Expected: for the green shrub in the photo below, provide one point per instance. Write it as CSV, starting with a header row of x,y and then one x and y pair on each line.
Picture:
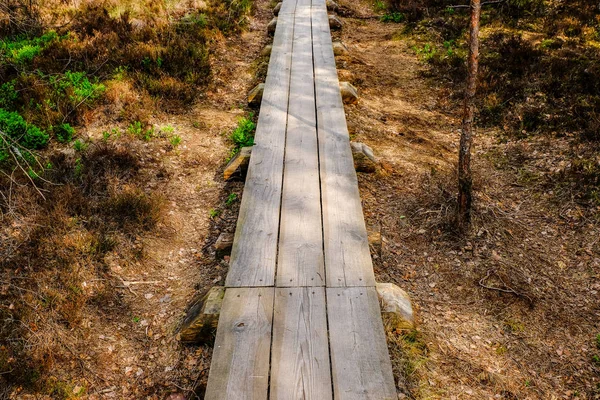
x,y
396,17
243,135
17,130
8,95
22,50
77,87
64,133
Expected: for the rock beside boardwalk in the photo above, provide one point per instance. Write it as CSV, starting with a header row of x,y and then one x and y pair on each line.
x,y
255,95
364,159
339,49
238,165
349,93
223,245
272,26
396,307
335,24
201,321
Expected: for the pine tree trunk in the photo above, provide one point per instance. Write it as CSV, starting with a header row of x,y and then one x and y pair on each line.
x,y
465,180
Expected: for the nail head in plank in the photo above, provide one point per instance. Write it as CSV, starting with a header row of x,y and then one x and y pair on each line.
x,y
240,362
360,362
300,353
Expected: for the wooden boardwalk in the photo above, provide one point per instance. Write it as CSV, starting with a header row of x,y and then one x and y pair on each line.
x,y
300,317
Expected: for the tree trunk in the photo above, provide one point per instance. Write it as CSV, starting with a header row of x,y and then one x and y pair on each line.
x,y
465,180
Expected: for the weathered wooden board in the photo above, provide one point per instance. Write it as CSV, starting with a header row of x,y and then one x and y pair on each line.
x,y
254,251
347,256
240,362
300,352
288,6
300,237
360,362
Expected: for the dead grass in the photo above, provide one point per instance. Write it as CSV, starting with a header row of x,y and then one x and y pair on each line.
x,y
508,311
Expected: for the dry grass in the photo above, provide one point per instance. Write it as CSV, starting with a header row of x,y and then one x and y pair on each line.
x,y
508,311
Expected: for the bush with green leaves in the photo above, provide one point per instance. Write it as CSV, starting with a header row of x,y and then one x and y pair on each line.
x,y
21,50
76,87
18,133
64,133
243,135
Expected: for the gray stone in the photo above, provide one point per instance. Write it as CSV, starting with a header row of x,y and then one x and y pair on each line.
x,y
272,26
335,24
349,93
339,49
277,9
223,245
201,321
364,159
332,6
238,165
266,52
255,95
396,307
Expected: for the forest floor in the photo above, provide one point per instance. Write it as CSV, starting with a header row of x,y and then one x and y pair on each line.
x,y
511,311
125,347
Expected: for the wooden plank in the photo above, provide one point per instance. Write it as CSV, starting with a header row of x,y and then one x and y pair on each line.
x,y
360,362
300,237
240,362
288,6
347,256
300,353
254,251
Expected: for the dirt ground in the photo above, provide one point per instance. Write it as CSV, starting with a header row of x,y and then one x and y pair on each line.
x,y
512,311
127,348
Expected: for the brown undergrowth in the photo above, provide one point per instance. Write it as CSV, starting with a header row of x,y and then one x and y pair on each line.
x,y
510,310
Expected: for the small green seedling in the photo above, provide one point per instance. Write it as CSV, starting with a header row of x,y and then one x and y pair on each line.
x,y
232,198
175,140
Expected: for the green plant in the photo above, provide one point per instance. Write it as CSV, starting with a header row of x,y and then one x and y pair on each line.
x,y
596,359
427,52
214,213
64,133
243,135
396,17
135,129
598,341
175,140
76,87
15,131
169,130
8,94
232,198
80,145
22,50
78,170
379,5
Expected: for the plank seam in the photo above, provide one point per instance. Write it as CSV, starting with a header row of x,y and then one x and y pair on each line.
x,y
312,38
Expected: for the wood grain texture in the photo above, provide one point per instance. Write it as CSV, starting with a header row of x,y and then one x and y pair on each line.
x,y
254,251
288,6
347,256
240,362
300,238
300,352
360,362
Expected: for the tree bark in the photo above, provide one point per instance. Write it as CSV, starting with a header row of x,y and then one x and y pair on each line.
x,y
465,180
